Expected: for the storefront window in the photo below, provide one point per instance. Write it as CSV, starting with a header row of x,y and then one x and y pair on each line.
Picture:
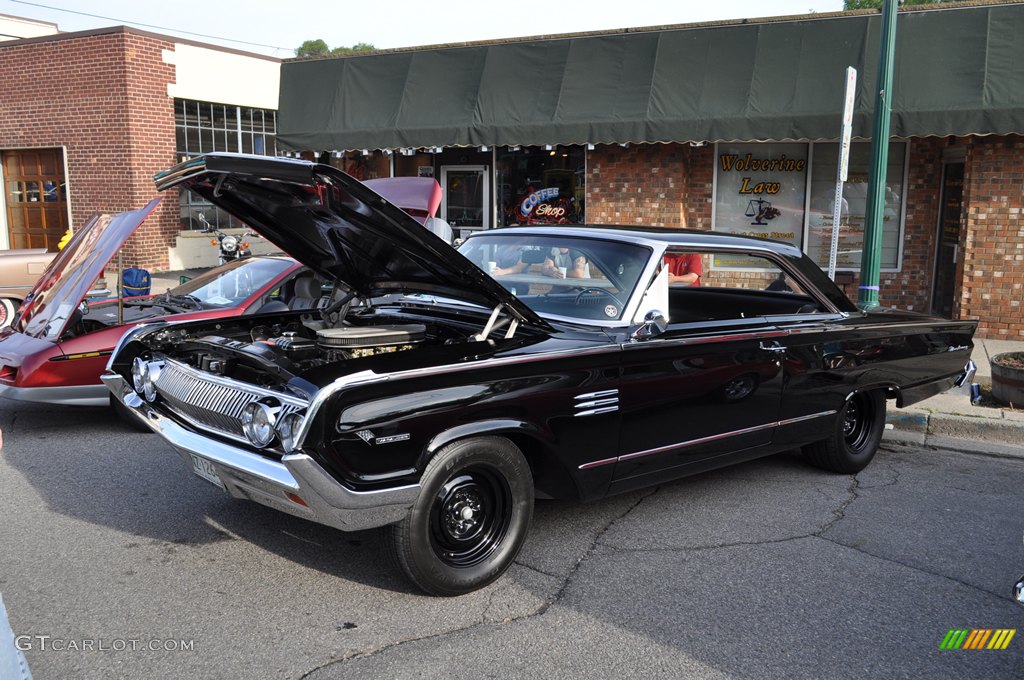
x,y
785,192
202,127
760,191
853,206
537,185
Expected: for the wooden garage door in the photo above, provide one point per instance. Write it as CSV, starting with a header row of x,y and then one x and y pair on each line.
x,y
37,214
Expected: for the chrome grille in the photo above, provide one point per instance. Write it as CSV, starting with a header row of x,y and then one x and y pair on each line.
x,y
214,402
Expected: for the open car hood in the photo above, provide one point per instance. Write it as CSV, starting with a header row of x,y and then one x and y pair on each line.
x,y
72,273
336,226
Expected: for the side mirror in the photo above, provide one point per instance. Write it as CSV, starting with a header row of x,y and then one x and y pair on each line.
x,y
654,325
1018,591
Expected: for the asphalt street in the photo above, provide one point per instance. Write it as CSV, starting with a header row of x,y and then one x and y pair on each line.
x,y
116,561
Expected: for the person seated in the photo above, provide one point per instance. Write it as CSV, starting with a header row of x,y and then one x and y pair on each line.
x,y
684,269
572,261
509,260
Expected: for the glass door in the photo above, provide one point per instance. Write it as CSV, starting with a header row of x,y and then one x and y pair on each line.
x,y
950,208
466,204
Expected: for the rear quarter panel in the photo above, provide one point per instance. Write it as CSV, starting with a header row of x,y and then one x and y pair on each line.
x,y
827,361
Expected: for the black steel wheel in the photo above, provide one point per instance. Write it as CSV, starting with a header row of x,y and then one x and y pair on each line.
x,y
470,519
858,431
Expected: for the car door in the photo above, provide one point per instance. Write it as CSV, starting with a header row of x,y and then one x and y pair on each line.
x,y
697,391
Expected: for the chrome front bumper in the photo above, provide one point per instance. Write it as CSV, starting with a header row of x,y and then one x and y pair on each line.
x,y
278,485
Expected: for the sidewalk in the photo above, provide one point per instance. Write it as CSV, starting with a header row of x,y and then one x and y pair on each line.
x,y
950,420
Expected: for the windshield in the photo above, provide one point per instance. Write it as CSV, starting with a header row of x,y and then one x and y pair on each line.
x,y
575,278
233,283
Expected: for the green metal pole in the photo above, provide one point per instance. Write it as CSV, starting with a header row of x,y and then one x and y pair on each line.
x,y
871,257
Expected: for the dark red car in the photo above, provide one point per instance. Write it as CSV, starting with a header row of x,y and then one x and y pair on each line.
x,y
58,345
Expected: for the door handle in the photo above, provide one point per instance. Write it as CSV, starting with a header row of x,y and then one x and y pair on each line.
x,y
772,346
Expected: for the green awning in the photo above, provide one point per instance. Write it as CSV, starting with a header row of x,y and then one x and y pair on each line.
x,y
959,71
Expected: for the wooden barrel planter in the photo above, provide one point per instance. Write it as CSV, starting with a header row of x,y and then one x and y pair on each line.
x,y
1008,378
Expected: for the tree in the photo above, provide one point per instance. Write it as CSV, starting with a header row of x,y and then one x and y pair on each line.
x,y
312,48
318,48
877,4
355,49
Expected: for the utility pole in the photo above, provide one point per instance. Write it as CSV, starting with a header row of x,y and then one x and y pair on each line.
x,y
871,257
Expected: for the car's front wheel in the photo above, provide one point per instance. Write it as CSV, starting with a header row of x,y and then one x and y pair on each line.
x,y
858,431
470,519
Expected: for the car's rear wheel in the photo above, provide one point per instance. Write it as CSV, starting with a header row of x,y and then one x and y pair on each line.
x,y
858,431
7,309
470,519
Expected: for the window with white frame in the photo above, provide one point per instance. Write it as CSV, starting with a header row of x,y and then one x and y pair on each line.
x,y
203,127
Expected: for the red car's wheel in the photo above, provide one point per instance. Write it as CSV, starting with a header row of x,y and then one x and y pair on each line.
x,y
7,310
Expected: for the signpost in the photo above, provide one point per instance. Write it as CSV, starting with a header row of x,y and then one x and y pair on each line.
x,y
870,263
844,163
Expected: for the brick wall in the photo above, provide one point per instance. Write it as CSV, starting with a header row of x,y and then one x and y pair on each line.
x,y
638,184
104,98
672,184
993,237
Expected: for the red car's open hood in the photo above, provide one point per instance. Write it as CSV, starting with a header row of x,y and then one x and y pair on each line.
x,y
70,276
335,225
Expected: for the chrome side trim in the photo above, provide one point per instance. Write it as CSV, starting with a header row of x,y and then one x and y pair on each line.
x,y
598,402
704,440
695,442
720,337
596,411
607,403
800,419
598,463
597,395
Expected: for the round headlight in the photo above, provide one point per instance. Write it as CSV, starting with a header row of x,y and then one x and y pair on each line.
x,y
140,371
229,244
288,430
258,423
149,379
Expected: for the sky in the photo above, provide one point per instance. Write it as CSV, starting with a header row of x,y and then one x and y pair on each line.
x,y
276,27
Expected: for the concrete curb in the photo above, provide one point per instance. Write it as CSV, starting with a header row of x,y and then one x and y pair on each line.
x,y
997,433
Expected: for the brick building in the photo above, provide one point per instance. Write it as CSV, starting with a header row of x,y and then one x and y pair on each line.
x,y
87,119
729,126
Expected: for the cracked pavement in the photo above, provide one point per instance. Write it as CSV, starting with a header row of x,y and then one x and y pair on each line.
x,y
767,569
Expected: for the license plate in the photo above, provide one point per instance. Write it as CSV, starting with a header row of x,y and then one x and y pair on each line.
x,y
205,469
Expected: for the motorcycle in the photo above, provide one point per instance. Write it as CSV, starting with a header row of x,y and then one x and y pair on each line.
x,y
231,247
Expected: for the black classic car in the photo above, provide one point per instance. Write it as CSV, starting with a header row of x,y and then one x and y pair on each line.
x,y
439,392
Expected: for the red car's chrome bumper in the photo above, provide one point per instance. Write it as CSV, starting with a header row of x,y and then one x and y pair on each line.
x,y
296,484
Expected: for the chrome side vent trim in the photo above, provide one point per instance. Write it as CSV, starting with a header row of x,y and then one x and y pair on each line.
x,y
596,403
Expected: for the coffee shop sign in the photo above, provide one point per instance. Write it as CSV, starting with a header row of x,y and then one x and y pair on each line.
x,y
537,197
733,162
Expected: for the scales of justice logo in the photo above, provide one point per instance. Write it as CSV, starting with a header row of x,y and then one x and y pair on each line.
x,y
762,211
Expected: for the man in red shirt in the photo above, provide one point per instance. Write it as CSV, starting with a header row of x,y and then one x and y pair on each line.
x,y
683,268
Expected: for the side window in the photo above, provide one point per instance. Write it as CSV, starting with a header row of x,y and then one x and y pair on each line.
x,y
718,286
